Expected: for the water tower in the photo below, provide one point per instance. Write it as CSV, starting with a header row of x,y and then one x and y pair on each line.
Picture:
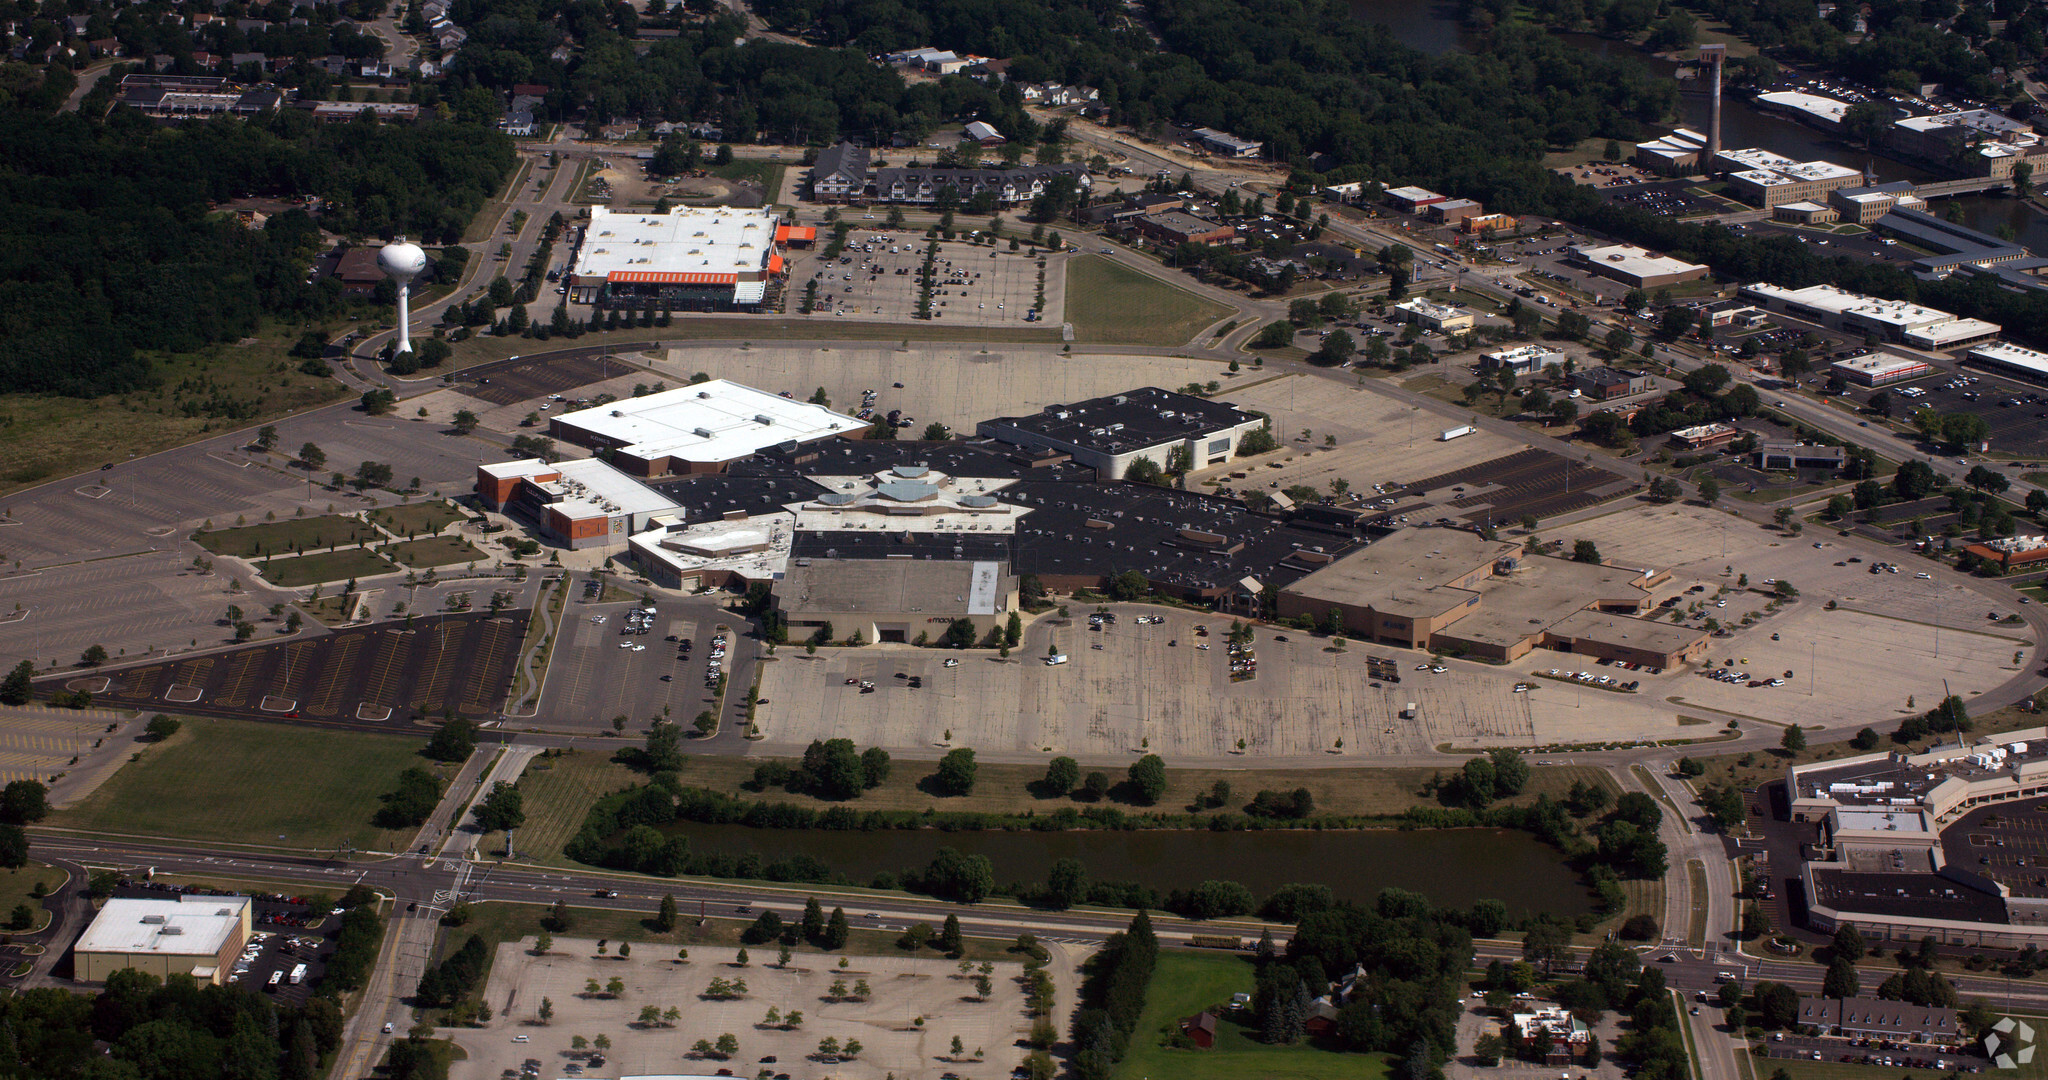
x,y
403,261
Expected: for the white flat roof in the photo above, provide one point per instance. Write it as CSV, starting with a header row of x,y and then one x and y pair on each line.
x,y
1903,314
1879,364
1755,157
755,547
711,421
2001,352
1636,261
1431,308
1825,107
187,926
1803,206
1944,335
506,470
1523,352
1413,194
716,240
1761,177
591,480
1977,119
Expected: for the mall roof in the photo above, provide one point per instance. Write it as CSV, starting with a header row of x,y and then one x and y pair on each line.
x,y
691,242
1406,573
891,585
593,481
710,421
1121,423
187,926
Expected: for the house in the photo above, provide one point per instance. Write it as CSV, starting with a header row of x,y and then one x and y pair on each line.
x,y
623,130
518,124
1560,1036
978,131
1200,1029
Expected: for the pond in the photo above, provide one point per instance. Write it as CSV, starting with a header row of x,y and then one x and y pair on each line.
x,y
1453,867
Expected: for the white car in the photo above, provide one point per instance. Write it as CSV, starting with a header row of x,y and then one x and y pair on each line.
x,y
952,662
1924,577
639,648
625,644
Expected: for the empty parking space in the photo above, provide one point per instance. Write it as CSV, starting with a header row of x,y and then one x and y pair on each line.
x,y
511,381
461,663
972,284
608,665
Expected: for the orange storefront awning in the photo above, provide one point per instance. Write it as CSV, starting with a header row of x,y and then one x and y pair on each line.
x,y
802,234
775,264
657,277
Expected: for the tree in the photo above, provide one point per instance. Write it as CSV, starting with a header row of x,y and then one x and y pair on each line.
x,y
1913,480
1841,981
378,402
727,1045
1148,776
547,1009
1096,784
452,741
1585,552
955,775
1066,884
665,917
465,421
542,943
1061,774
503,808
24,802
1336,350
19,685
836,930
813,925
663,749
1274,335
1794,739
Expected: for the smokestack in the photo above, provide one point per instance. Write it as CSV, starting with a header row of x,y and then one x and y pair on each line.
x,y
1711,57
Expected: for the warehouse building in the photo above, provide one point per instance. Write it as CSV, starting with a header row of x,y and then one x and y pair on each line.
x,y
198,936
699,428
1891,320
1224,144
1880,369
1604,383
1635,267
718,258
1822,112
579,503
1676,154
1175,227
1766,179
1109,434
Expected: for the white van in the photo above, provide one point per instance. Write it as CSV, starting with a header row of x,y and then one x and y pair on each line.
x,y
298,974
1055,659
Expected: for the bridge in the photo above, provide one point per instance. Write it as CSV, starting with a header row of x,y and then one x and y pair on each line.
x,y
1969,186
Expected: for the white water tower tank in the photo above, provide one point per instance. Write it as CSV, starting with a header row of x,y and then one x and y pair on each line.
x,y
402,261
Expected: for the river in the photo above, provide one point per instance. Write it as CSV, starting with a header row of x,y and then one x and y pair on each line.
x,y
1453,867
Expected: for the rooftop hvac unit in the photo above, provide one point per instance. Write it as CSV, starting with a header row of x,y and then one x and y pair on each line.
x,y
172,931
702,433
764,420
152,920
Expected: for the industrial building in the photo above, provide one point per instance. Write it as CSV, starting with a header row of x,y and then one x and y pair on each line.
x,y
2009,359
1676,154
1523,360
699,428
1636,267
1890,320
1766,179
1431,315
1891,849
1108,434
1825,113
199,936
1950,245
1453,590
1976,142
718,258
1863,205
1880,369
579,503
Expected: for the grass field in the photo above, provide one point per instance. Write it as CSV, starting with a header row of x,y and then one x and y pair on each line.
x,y
1112,303
1188,982
326,566
280,537
329,610
768,174
260,784
558,795
18,887
416,519
46,436
433,551
502,922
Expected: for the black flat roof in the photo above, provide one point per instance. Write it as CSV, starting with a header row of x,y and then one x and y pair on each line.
x,y
1120,423
1906,895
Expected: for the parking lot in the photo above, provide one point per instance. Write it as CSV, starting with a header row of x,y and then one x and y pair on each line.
x,y
382,675
2016,413
609,663
877,276
1666,197
2007,843
288,935
1891,636
509,382
905,1026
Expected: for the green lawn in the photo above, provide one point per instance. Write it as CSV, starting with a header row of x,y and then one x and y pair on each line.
x,y
416,519
768,174
1111,303
326,566
280,537
434,551
329,610
1188,982
242,781
18,887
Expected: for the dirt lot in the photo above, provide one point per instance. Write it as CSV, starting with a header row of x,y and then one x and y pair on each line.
x,y
904,990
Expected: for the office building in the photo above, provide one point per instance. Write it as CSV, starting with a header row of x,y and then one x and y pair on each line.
x,y
1635,267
